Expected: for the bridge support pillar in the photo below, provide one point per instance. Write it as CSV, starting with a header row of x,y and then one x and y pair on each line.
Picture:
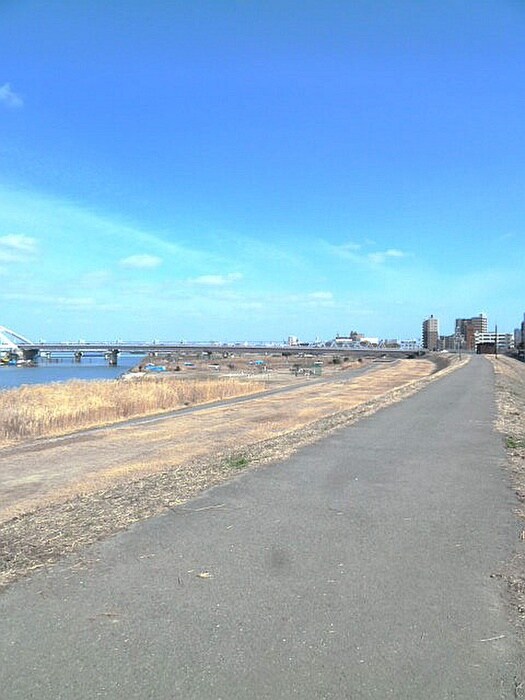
x,y
30,355
113,358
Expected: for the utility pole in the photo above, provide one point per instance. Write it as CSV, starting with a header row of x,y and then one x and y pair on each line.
x,y
458,339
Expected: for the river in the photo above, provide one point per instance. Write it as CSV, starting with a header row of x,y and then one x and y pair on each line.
x,y
64,368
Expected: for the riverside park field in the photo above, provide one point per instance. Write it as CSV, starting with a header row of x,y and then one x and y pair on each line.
x,y
82,460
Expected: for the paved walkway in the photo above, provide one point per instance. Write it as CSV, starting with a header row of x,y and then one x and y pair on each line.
x,y
360,568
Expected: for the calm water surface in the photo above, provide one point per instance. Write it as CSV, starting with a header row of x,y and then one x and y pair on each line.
x,y
63,369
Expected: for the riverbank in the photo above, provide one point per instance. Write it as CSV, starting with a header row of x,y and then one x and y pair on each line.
x,y
179,458
153,386
64,369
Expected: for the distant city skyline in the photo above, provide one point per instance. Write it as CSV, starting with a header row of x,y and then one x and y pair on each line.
x,y
471,333
255,170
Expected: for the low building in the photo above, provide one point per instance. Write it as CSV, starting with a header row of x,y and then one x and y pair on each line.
x,y
351,341
486,348
500,341
411,344
449,342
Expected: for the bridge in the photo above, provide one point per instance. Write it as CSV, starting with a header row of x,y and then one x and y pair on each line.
x,y
12,344
16,346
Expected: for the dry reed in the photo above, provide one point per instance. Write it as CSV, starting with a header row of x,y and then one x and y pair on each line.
x,y
55,409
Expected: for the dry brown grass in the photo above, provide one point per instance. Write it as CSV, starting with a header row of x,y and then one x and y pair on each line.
x,y
510,401
56,409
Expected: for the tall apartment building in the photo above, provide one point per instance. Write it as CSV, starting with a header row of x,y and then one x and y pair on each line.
x,y
431,333
519,339
468,327
521,343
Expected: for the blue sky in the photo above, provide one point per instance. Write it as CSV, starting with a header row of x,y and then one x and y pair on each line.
x,y
253,169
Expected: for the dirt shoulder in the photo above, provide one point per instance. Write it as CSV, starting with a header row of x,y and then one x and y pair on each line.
x,y
510,401
62,496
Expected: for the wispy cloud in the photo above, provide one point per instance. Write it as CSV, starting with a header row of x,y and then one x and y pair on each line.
x,y
98,278
69,304
359,254
321,296
381,257
144,261
25,244
17,248
349,247
59,220
10,98
55,300
217,280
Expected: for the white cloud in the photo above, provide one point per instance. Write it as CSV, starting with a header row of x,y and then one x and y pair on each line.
x,y
348,251
251,305
10,98
350,247
321,296
17,248
381,257
99,278
141,261
26,244
217,280
74,302
356,253
56,220
59,301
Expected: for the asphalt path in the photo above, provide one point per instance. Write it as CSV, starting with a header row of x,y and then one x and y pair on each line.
x,y
359,568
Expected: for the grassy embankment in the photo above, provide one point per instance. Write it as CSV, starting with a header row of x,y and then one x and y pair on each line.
x,y
510,399
57,409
